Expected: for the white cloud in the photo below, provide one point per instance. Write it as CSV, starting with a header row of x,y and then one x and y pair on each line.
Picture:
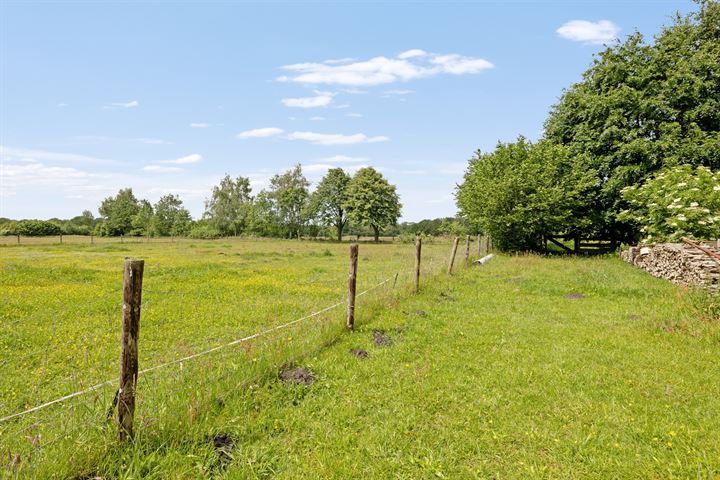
x,y
62,104
322,99
260,133
335,138
599,32
200,125
339,60
354,115
161,169
343,159
415,52
131,104
24,153
410,65
354,91
398,92
317,119
193,158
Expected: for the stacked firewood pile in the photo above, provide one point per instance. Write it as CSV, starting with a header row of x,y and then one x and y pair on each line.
x,y
680,263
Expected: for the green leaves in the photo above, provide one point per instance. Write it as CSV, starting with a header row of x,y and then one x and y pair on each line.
x,y
523,192
372,201
228,207
645,106
677,202
327,202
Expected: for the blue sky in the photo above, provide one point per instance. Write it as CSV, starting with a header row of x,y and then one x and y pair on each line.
x,y
168,97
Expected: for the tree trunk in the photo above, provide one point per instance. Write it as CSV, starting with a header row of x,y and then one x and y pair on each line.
x,y
377,233
339,233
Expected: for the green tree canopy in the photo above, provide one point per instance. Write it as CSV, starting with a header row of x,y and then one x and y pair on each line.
x,y
289,196
327,202
118,212
372,201
642,107
229,205
522,192
171,218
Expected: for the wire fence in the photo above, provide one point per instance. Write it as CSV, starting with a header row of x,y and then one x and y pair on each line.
x,y
59,384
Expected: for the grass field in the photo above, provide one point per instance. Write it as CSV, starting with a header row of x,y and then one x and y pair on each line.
x,y
527,367
60,307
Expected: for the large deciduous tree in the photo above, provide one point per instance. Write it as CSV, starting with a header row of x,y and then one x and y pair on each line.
x,y
289,196
522,192
229,205
327,203
372,201
171,218
641,107
119,211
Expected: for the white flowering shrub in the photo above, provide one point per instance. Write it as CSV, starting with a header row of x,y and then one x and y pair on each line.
x,y
678,202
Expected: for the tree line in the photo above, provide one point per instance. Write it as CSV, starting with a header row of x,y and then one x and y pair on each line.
x,y
631,152
363,202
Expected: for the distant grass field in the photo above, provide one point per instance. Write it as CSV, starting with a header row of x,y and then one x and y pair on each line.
x,y
526,367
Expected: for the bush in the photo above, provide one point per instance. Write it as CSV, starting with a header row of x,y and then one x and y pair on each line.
x,y
678,202
37,228
204,232
523,192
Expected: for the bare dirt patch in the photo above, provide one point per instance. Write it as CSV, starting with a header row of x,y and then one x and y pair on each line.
x,y
223,444
359,353
574,296
297,376
381,340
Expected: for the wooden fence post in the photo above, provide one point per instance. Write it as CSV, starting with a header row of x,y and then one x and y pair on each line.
x,y
18,237
132,298
479,238
452,255
352,283
467,248
418,254
61,239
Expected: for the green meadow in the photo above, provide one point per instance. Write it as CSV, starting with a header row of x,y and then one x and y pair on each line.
x,y
526,367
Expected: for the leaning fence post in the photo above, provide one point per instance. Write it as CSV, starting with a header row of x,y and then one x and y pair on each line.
x,y
467,248
132,298
352,282
452,254
418,252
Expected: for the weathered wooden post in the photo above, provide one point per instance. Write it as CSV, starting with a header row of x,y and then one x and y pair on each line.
x,y
61,239
132,298
418,254
479,247
18,238
452,255
467,249
352,283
